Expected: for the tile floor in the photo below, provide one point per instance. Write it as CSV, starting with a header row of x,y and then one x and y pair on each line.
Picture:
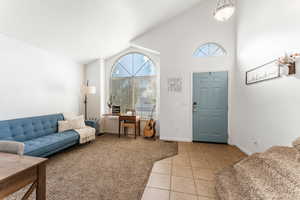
x,y
190,175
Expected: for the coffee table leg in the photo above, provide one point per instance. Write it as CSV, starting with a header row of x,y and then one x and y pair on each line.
x,y
41,182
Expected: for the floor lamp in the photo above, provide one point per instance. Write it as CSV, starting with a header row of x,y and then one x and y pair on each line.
x,y
88,90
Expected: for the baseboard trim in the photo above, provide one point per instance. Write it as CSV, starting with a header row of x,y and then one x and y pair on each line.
x,y
243,149
177,139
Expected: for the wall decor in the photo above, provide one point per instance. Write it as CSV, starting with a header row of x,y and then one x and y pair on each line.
x,y
285,65
268,71
289,61
175,84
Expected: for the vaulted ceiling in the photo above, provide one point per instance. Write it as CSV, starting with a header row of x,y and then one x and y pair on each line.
x,y
85,29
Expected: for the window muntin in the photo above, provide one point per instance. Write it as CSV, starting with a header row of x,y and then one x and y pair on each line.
x,y
210,50
133,84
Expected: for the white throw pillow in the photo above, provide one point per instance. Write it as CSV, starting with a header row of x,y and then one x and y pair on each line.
x,y
78,122
64,126
12,147
75,123
69,116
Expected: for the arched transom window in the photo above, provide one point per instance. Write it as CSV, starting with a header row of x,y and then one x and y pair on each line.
x,y
209,50
133,84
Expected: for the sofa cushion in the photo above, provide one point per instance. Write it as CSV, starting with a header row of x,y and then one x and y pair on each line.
x,y
78,122
64,126
5,133
31,128
73,124
44,144
13,147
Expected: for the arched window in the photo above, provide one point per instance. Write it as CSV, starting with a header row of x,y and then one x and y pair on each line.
x,y
133,84
209,50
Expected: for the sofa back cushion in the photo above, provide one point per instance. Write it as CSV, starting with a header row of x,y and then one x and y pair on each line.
x,y
5,133
29,128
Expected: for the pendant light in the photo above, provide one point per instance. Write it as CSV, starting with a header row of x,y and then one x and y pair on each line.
x,y
225,9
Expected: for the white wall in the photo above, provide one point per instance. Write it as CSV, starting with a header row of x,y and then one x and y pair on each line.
x,y
34,82
176,41
266,113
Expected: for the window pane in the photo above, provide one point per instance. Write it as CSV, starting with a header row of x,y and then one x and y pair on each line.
x,y
205,49
127,62
121,91
219,52
213,49
147,70
119,71
145,96
210,49
199,53
138,61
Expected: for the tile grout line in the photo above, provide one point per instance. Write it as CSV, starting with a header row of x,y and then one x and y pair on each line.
x,y
171,178
158,188
195,186
191,167
198,194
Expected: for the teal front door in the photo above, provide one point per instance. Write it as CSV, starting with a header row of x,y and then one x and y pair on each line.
x,y
210,107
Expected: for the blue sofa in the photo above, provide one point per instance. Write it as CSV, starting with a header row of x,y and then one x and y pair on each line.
x,y
39,134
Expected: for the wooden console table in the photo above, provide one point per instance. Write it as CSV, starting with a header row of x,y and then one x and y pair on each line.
x,y
18,171
130,121
119,120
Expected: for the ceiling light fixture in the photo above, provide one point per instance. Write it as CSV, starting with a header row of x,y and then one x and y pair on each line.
x,y
225,9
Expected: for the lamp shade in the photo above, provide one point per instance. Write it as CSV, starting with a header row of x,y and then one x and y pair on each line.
x,y
90,90
224,11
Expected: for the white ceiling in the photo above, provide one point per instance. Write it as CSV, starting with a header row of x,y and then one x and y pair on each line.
x,y
85,29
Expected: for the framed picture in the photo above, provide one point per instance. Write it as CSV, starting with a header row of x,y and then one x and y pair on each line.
x,y
175,84
265,72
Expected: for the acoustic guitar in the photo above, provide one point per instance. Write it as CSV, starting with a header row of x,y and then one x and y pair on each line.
x,y
149,130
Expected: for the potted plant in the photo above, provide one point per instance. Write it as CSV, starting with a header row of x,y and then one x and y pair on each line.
x,y
290,62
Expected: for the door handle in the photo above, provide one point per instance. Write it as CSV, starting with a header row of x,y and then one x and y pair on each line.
x,y
195,107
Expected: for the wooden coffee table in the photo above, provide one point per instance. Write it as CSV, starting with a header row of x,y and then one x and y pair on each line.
x,y
17,172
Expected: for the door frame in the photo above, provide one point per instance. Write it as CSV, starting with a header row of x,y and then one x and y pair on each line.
x,y
229,112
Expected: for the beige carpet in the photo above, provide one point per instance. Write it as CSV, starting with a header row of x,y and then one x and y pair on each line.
x,y
272,175
108,169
